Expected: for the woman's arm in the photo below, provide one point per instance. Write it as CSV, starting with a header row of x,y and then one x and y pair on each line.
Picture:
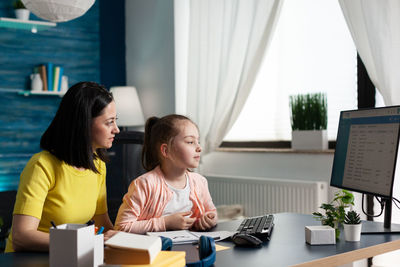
x,y
104,220
26,237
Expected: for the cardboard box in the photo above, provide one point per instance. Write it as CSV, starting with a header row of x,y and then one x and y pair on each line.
x,y
72,245
320,235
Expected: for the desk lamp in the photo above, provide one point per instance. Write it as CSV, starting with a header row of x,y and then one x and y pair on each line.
x,y
129,110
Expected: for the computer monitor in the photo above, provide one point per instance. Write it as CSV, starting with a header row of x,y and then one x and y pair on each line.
x,y
365,156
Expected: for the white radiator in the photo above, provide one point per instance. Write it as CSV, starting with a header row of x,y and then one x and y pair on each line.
x,y
265,195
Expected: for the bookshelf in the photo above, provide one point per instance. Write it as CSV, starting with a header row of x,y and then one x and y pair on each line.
x,y
50,93
32,25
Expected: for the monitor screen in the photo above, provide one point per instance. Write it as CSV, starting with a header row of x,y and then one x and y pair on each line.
x,y
366,150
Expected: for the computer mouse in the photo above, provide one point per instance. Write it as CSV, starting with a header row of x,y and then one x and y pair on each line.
x,y
246,240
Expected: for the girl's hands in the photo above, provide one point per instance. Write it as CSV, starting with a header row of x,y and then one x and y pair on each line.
x,y
179,221
206,221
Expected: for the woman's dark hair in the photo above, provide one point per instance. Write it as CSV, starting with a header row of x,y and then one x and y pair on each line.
x,y
159,131
69,135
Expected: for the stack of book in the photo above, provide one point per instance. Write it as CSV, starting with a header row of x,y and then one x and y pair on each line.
x,y
140,250
51,76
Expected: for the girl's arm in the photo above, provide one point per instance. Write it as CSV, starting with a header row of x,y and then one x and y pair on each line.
x,y
26,237
127,220
209,218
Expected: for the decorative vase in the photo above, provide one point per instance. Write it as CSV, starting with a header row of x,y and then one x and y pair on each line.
x,y
64,83
22,14
310,140
352,232
36,82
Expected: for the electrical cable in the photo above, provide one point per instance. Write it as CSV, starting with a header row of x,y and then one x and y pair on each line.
x,y
371,215
394,201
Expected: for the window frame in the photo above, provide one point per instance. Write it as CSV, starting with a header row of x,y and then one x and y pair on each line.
x,y
365,99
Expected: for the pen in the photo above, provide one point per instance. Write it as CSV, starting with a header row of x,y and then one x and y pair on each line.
x,y
100,230
90,222
53,224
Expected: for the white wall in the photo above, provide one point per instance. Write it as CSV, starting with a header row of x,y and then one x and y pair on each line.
x,y
150,54
295,166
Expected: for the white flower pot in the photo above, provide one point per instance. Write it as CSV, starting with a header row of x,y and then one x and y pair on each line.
x,y
22,14
352,232
310,140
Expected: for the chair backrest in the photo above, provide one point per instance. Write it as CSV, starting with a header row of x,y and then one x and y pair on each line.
x,y
7,201
124,166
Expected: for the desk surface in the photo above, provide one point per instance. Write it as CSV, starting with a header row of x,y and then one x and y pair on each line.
x,y
287,247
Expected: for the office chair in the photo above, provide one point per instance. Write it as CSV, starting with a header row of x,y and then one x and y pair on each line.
x,y
124,166
7,201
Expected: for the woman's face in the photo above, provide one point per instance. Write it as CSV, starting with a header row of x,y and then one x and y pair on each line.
x,y
104,127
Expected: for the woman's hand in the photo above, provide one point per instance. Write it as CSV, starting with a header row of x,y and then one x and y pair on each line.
x,y
109,234
206,221
179,221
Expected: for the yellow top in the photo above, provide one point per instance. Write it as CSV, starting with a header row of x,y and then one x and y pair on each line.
x,y
52,190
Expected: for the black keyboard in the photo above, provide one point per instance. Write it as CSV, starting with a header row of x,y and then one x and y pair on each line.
x,y
259,226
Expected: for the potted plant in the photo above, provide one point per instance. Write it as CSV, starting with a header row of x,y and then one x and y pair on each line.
x,y
335,211
352,226
309,121
20,10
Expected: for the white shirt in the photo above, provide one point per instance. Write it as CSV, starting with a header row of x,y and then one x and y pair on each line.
x,y
180,200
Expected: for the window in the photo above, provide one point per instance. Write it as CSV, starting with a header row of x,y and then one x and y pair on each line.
x,y
311,51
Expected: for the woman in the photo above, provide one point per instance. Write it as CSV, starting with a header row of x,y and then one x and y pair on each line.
x,y
65,183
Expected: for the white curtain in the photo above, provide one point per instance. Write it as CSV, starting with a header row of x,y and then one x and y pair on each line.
x,y
227,42
374,26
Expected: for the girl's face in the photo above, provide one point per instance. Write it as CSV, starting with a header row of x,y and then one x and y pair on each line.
x,y
185,148
104,127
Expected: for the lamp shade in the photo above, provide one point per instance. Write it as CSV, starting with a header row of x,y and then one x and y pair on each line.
x,y
58,10
129,110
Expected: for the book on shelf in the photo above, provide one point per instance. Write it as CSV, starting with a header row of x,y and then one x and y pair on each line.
x,y
43,76
60,74
49,71
56,77
128,248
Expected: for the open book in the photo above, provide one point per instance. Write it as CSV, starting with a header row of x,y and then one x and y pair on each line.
x,y
189,237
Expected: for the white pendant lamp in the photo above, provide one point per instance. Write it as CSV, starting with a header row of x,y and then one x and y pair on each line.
x,y
58,10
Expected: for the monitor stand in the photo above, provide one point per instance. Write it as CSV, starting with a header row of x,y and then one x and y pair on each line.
x,y
370,228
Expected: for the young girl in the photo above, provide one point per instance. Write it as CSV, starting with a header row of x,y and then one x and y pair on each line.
x,y
168,197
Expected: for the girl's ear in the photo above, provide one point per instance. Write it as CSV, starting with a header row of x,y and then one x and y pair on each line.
x,y
164,150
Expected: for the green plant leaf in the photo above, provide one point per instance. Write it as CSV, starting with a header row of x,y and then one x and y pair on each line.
x,y
309,111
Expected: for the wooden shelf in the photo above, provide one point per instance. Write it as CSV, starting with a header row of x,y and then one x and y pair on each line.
x,y
32,25
51,93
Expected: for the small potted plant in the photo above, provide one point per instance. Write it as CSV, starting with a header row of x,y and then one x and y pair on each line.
x,y
20,10
309,121
335,212
352,226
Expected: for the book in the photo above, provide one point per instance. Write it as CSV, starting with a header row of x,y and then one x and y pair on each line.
x,y
189,237
163,259
49,71
56,77
60,78
128,248
43,75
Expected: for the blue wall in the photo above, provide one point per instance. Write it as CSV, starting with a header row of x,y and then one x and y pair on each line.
x,y
75,46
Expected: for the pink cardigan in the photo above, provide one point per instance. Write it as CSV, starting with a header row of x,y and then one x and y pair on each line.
x,y
142,207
